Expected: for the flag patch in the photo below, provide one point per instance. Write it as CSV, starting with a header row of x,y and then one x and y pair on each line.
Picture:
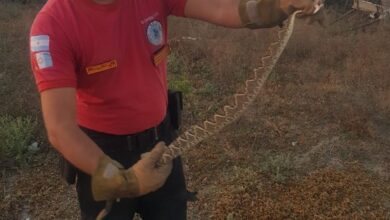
x,y
44,60
39,43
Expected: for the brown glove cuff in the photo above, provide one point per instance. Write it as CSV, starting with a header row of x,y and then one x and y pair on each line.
x,y
261,13
110,181
133,189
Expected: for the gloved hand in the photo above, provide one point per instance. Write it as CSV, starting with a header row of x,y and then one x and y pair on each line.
x,y
270,13
110,181
308,7
151,177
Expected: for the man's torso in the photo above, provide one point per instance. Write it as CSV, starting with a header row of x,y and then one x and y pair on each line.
x,y
119,88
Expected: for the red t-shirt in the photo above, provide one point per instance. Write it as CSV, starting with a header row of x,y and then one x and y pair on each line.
x,y
105,52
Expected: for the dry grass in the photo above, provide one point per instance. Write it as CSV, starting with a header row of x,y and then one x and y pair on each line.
x,y
18,94
17,91
314,145
325,106
215,63
348,194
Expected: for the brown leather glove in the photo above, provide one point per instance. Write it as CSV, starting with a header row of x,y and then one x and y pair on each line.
x,y
111,181
306,6
270,13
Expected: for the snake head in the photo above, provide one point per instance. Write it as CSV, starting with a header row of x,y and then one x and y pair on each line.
x,y
318,15
318,4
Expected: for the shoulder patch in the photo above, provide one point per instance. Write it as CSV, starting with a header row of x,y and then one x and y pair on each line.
x,y
44,60
39,43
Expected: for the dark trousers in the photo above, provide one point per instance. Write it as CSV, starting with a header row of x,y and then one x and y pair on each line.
x,y
169,202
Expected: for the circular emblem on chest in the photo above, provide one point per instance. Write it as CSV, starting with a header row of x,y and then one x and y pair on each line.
x,y
155,33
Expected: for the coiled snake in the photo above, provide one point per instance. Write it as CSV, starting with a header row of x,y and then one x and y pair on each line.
x,y
198,133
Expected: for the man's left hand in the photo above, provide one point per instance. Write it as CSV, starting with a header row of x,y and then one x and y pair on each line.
x,y
308,7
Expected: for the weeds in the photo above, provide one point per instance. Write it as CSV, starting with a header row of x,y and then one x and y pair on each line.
x,y
18,93
16,135
181,83
322,86
177,78
279,167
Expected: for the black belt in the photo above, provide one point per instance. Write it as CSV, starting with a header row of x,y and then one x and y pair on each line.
x,y
144,139
152,134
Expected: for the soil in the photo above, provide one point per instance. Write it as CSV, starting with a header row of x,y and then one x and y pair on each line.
x,y
315,145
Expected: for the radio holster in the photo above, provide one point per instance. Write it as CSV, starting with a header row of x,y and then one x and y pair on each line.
x,y
175,107
67,170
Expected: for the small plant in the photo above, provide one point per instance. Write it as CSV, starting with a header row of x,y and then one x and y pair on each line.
x,y
16,137
207,89
177,76
181,83
279,167
175,64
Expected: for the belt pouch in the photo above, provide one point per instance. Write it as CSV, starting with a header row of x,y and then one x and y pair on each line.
x,y
67,170
175,107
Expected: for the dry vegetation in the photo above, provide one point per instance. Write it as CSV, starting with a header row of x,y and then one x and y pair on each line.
x,y
314,145
19,107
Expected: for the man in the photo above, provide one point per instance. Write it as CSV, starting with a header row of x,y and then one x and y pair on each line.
x,y
100,66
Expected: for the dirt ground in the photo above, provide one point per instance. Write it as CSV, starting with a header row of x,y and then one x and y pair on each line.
x,y
315,145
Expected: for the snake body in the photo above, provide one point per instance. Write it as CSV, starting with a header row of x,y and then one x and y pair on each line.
x,y
230,113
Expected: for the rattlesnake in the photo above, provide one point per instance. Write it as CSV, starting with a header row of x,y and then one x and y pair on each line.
x,y
198,133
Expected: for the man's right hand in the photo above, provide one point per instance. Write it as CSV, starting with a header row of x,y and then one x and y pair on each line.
x,y
111,181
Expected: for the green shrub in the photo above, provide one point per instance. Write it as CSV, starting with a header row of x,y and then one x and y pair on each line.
x,y
181,83
175,64
208,89
279,167
177,77
16,136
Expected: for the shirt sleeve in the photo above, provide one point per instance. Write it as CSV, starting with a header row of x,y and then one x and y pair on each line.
x,y
176,7
51,56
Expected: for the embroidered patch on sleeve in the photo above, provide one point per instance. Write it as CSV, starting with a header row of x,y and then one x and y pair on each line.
x,y
44,60
39,43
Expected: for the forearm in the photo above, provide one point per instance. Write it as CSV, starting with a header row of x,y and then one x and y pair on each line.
x,y
220,12
247,13
76,147
59,114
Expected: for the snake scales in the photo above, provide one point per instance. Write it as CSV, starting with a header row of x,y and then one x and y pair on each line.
x,y
198,133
